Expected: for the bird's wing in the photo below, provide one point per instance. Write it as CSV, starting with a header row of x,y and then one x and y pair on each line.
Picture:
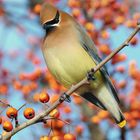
x,y
90,48
107,77
90,97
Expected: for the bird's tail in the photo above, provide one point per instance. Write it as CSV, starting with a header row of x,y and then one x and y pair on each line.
x,y
107,99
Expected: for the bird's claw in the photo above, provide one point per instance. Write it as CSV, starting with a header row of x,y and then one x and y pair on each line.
x,y
65,97
90,76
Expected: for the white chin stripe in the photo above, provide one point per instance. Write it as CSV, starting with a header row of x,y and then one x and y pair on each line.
x,y
57,24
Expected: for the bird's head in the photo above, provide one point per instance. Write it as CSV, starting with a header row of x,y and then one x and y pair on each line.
x,y
49,16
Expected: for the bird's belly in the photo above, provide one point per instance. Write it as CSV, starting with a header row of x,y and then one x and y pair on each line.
x,y
71,65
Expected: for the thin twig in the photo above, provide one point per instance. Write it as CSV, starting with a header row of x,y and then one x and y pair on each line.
x,y
4,103
72,89
53,118
22,106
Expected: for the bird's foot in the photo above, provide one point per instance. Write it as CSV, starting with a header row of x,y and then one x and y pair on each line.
x,y
90,75
65,97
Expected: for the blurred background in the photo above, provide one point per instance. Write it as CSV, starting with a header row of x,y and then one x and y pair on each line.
x,y
23,72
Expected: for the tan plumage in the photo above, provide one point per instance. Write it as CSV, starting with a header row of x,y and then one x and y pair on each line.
x,y
70,54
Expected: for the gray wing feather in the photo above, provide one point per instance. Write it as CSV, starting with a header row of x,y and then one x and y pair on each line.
x,y
90,97
90,48
105,74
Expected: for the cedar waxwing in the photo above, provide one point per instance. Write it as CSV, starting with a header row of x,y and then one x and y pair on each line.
x,y
70,54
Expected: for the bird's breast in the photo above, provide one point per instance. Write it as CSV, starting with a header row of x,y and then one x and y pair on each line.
x,y
70,64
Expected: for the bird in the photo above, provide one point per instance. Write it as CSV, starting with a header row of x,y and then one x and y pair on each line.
x,y
70,54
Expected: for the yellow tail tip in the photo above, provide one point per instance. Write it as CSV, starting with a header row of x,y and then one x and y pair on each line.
x,y
122,124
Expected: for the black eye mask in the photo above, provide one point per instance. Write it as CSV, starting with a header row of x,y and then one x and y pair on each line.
x,y
52,22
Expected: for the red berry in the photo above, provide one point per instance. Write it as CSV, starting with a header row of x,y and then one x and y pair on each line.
x,y
7,126
0,120
54,113
44,97
29,113
12,112
69,136
56,138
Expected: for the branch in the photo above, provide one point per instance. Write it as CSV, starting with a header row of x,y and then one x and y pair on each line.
x,y
88,17
72,89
